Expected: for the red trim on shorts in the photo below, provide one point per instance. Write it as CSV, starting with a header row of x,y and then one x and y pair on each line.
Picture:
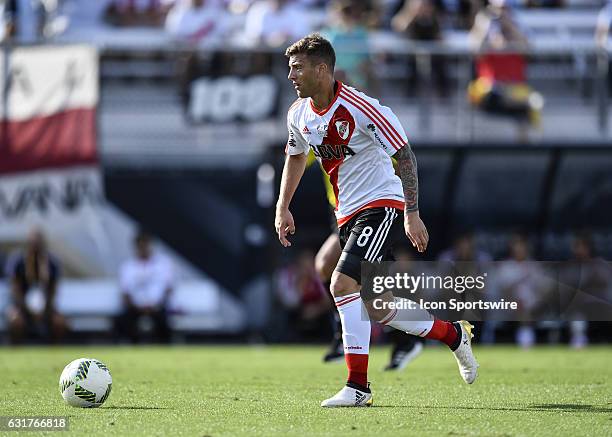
x,y
381,203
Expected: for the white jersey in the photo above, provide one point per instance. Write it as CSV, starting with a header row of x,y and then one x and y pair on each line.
x,y
146,281
353,139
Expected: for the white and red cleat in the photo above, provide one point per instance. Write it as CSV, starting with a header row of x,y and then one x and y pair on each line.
x,y
468,366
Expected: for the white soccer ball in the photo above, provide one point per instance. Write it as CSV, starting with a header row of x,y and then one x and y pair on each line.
x,y
85,382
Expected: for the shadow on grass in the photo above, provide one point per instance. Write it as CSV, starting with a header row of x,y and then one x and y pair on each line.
x,y
121,407
571,408
566,408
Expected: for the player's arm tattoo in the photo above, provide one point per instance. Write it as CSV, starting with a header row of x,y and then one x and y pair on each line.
x,y
406,161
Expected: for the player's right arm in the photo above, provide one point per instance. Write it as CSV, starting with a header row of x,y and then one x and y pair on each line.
x,y
295,164
292,174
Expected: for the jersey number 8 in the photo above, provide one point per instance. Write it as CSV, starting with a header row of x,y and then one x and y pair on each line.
x,y
364,236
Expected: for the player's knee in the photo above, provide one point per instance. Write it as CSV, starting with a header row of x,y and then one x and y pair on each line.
x,y
324,266
341,284
327,258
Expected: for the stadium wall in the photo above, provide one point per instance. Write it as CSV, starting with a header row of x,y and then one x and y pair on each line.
x,y
212,216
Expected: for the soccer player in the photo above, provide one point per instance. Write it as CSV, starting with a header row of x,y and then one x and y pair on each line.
x,y
353,136
405,347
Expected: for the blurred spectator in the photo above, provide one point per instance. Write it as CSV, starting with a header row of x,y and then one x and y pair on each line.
x,y
131,13
465,259
34,276
464,250
419,20
51,21
589,282
27,21
602,29
276,23
522,280
466,12
500,86
602,35
8,15
348,34
195,21
146,281
304,299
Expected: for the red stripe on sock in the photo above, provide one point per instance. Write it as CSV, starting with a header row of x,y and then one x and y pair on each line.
x,y
347,299
443,331
357,368
344,302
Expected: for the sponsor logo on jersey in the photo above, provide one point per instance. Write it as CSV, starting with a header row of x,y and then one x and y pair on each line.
x,y
305,130
322,129
330,151
380,141
342,127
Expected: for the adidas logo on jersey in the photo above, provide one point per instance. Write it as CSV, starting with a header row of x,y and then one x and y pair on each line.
x,y
330,151
305,130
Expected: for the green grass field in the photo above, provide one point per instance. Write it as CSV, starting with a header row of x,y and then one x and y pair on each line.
x,y
214,391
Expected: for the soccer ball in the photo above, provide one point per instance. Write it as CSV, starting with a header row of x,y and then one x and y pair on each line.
x,y
85,382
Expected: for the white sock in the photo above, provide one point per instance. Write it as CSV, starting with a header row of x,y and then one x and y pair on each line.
x,y
355,324
412,321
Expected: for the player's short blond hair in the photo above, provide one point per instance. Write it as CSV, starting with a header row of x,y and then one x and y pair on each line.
x,y
316,47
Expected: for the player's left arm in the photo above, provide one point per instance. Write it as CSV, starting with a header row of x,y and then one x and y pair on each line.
x,y
413,225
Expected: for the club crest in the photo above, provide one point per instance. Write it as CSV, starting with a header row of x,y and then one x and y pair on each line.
x,y
343,129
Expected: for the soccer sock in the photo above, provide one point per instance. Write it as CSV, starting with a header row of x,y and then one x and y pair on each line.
x,y
421,323
447,332
356,337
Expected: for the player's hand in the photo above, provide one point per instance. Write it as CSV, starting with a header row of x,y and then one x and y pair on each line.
x,y
284,225
416,231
